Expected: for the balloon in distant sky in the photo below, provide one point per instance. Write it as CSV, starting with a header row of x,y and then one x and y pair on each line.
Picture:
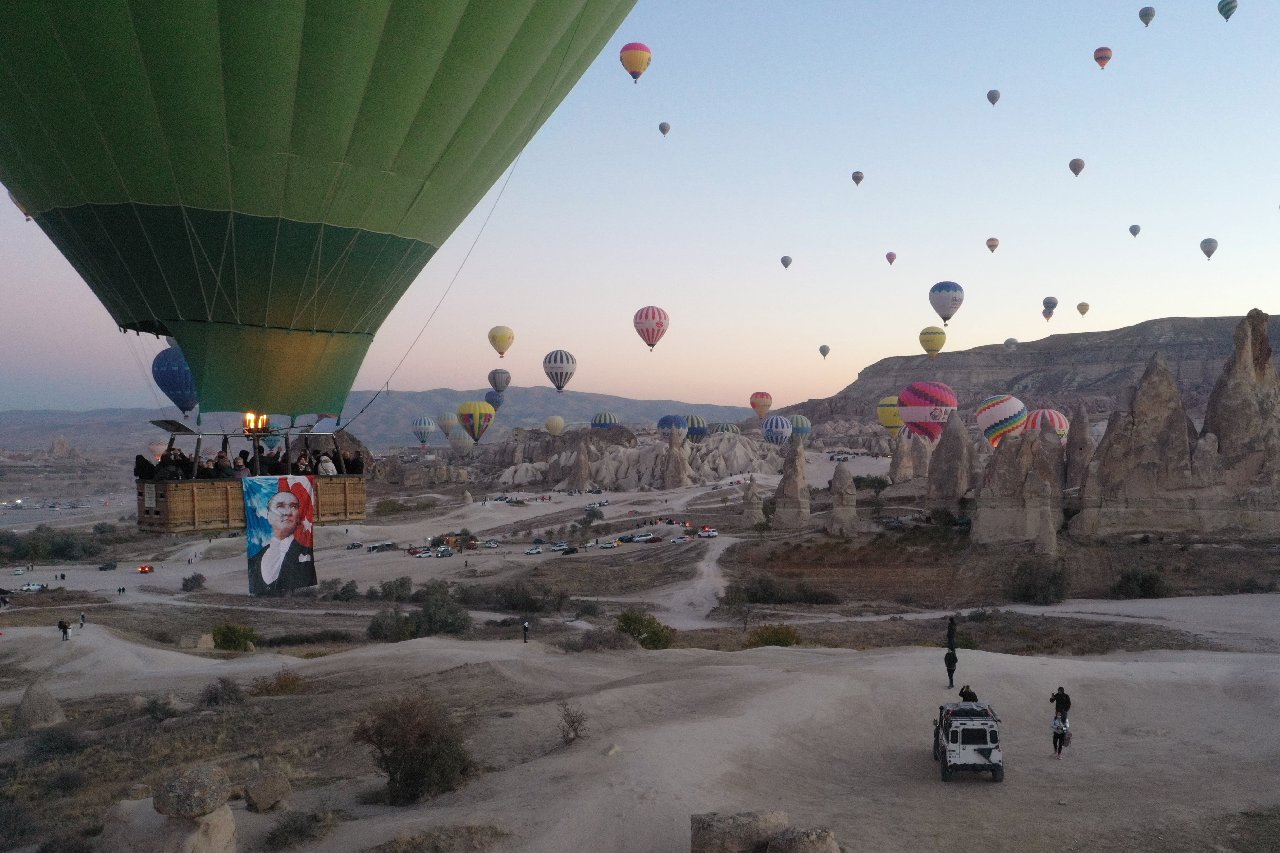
x,y
776,429
993,243
697,428
554,425
446,421
1076,166
1050,302
499,379
1135,230
651,324
604,420
474,416
172,373
824,350
1011,344
559,366
800,428
932,339
495,399
501,338
672,426
459,440
857,179
760,403
1146,14
1047,314
946,298
993,96
664,128
635,57
1102,56
1000,417
887,414
786,262
925,407
1036,418
1226,8
1083,308
1209,246
891,257
422,429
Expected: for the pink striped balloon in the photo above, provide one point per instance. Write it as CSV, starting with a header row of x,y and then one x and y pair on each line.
x,y
651,324
1055,419
924,408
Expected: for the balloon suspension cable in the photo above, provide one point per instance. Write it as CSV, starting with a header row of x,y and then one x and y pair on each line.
x,y
386,386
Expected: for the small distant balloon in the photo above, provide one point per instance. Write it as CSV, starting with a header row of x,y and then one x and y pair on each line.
x,y
1083,308
554,425
1050,302
1226,8
1011,344
1076,166
891,257
651,323
501,338
1146,14
993,243
664,128
946,298
499,379
857,179
993,96
760,402
495,399
559,366
824,350
1102,56
932,340
1047,314
786,262
635,57
1209,246
1135,230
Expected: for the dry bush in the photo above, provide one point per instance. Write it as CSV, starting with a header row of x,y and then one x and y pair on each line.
x,y
445,839
55,743
286,682
598,640
773,635
417,745
294,828
224,691
573,721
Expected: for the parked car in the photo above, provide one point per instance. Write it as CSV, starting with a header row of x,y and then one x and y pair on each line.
x,y
19,571
539,541
424,555
679,540
627,537
32,586
145,569
491,543
608,545
966,736
534,550
109,566
560,546
569,550
708,534
643,537
354,546
604,502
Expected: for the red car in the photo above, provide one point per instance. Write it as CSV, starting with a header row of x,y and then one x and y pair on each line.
x,y
145,570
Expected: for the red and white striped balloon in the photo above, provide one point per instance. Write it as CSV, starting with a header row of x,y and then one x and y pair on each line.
x,y
651,324
1057,421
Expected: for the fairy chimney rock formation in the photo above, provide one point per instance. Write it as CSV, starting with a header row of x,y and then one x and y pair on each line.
x,y
950,467
752,504
676,473
1020,500
900,470
1244,408
921,450
1079,449
791,500
580,472
844,503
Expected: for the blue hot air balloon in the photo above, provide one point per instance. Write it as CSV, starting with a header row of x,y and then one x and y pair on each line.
x,y
495,399
604,420
800,428
673,426
422,429
776,429
172,373
722,427
697,427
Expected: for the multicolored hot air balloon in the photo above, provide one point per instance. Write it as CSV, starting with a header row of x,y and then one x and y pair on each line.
x,y
171,373
1135,230
263,181
1208,246
824,351
651,324
1076,166
673,427
1146,14
499,379
1083,308
924,408
697,428
664,127
801,427
495,399
604,420
1011,344
1102,56
501,338
887,414
993,96
554,425
474,416
993,244
932,340
446,421
857,179
1226,8
946,297
459,440
786,262
559,365
1000,417
635,57
760,403
891,257
776,429
422,429
731,428
1036,419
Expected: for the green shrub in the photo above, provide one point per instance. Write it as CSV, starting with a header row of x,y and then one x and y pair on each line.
x,y
191,583
293,828
158,708
773,635
573,721
16,823
67,781
392,626
388,506
66,844
598,640
308,638
440,614
349,591
55,743
233,638
286,682
224,691
399,589
645,629
416,745
1036,583
764,589
513,597
1139,584
587,608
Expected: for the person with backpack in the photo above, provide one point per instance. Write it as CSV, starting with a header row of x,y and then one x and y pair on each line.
x,y
950,660
1061,732
951,633
1061,703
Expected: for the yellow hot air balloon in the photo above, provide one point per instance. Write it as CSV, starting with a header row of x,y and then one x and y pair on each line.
x,y
554,424
501,338
888,415
933,339
474,416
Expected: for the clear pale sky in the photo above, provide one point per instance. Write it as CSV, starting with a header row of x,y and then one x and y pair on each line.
x,y
772,107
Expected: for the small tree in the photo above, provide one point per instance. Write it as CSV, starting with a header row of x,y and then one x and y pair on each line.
x,y
645,629
191,583
349,591
573,721
416,744
233,638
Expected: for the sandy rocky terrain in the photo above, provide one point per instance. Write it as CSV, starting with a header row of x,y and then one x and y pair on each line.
x,y
1170,746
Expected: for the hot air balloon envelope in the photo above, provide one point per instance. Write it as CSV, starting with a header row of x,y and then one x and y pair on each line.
x,y
1083,308
499,379
786,261
1076,166
1049,302
1226,8
1146,14
824,350
474,416
459,440
857,179
170,371
422,429
1036,419
887,414
776,429
891,257
1000,417
1135,230
760,403
1209,246
1102,56
673,427
932,340
946,298
495,399
924,408
604,420
554,424
446,421
635,57
801,427
697,428
993,96
1011,344
501,338
993,243
664,128
559,366
651,324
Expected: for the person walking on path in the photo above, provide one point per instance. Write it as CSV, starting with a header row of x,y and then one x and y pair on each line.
x,y
950,660
81,620
951,633
1061,703
65,627
967,694
1059,733
526,631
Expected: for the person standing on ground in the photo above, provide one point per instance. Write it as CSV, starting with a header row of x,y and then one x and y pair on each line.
x,y
1059,733
950,660
65,627
1061,703
967,694
526,631
951,633
81,620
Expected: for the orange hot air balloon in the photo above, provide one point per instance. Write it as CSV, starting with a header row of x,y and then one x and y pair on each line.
x,y
1076,166
993,243
1102,56
761,401
635,57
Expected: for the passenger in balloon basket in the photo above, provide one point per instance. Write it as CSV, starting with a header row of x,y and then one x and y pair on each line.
x,y
286,561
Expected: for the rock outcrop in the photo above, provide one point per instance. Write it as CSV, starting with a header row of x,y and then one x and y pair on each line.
x,y
193,793
133,826
266,790
950,468
1079,451
730,833
38,709
900,467
1244,408
921,454
791,500
580,473
1020,499
752,504
844,503
676,473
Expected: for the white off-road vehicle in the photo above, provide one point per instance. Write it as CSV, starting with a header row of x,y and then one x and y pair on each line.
x,y
966,736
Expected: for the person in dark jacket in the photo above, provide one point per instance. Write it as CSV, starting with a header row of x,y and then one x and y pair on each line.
x,y
143,468
951,633
950,660
1061,703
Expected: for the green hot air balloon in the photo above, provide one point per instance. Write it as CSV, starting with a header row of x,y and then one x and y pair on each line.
x,y
262,181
